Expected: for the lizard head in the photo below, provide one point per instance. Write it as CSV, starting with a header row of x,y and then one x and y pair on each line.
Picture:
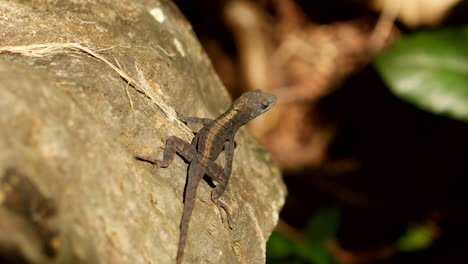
x,y
253,104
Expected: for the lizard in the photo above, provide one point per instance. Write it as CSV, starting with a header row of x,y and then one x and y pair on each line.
x,y
215,136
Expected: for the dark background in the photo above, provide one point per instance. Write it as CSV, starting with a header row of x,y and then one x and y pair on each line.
x,y
409,165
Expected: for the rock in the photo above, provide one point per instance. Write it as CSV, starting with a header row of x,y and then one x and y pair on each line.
x,y
85,86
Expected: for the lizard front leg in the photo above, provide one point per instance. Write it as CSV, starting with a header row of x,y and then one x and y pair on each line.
x,y
194,120
173,145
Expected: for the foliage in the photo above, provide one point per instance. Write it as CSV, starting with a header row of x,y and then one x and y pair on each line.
x,y
416,238
321,228
430,70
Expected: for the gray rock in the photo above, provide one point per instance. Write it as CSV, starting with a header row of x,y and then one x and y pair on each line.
x,y
85,86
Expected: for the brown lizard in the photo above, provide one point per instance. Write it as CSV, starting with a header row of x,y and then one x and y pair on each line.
x,y
215,136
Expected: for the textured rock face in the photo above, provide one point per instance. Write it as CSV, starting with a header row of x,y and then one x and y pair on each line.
x,y
85,86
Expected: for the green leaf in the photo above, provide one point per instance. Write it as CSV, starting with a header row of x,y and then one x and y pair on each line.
x,y
323,226
416,238
279,247
315,254
430,70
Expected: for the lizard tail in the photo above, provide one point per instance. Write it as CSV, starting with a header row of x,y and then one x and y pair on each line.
x,y
183,234
189,203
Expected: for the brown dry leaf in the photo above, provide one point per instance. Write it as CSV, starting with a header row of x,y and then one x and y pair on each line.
x,y
300,62
416,13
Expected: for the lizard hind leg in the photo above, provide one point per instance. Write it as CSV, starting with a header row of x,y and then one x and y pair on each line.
x,y
173,145
216,172
222,205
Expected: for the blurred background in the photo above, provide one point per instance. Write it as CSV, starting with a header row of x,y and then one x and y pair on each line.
x,y
371,126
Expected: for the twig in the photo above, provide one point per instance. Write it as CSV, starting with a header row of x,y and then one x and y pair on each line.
x,y
39,50
384,25
126,86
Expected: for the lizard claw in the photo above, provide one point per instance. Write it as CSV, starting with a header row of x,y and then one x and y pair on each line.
x,y
181,117
158,163
229,220
228,217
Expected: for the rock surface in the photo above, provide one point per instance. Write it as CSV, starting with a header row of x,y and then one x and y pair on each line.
x,y
85,86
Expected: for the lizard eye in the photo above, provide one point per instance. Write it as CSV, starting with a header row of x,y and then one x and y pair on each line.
x,y
264,105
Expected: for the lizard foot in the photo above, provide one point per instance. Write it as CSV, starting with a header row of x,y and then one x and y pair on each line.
x,y
158,163
222,205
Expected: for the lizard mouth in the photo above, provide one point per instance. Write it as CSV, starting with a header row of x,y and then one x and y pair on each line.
x,y
271,101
